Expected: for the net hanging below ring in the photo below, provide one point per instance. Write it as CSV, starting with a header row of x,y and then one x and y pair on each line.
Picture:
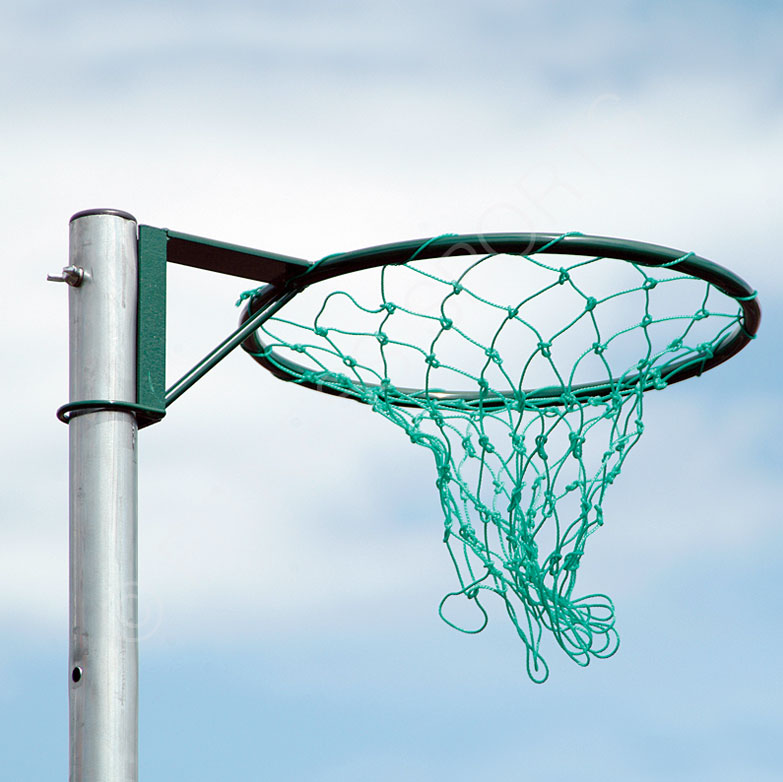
x,y
552,342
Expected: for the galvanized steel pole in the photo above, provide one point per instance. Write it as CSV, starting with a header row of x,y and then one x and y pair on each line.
x,y
103,663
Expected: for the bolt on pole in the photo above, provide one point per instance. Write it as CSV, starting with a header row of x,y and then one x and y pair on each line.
x,y
103,656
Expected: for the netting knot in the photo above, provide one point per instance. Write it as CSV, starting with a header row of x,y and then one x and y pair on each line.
x,y
705,350
432,360
576,444
569,400
590,304
649,283
380,404
321,331
444,478
512,312
349,361
564,277
490,516
248,295
493,355
389,307
435,415
541,440
457,288
446,323
700,314
468,446
483,511
646,320
657,381
544,347
598,348
382,392
485,443
466,532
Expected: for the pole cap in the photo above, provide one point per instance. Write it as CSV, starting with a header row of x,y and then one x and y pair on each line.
x,y
114,212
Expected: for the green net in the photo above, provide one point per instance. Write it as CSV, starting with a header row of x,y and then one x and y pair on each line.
x,y
551,355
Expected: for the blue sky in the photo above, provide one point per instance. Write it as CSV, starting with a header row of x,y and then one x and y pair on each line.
x,y
289,577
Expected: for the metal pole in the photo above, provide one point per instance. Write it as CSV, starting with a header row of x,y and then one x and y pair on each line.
x,y
103,661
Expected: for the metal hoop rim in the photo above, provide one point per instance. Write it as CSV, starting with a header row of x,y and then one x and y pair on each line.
x,y
641,253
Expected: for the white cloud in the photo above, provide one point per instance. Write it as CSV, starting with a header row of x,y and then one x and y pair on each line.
x,y
318,157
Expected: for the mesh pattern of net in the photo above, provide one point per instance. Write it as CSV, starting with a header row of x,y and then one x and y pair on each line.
x,y
521,474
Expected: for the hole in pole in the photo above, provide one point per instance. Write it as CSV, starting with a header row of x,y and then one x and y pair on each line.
x,y
76,674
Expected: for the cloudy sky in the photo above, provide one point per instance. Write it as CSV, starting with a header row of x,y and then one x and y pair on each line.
x,y
291,561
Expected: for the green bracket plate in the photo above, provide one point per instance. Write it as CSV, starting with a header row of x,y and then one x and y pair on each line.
x,y
151,325
157,248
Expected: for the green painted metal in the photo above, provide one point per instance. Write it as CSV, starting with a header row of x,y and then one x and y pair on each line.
x,y
232,259
157,248
151,325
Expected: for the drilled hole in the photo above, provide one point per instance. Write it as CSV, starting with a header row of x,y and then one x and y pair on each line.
x,y
76,674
